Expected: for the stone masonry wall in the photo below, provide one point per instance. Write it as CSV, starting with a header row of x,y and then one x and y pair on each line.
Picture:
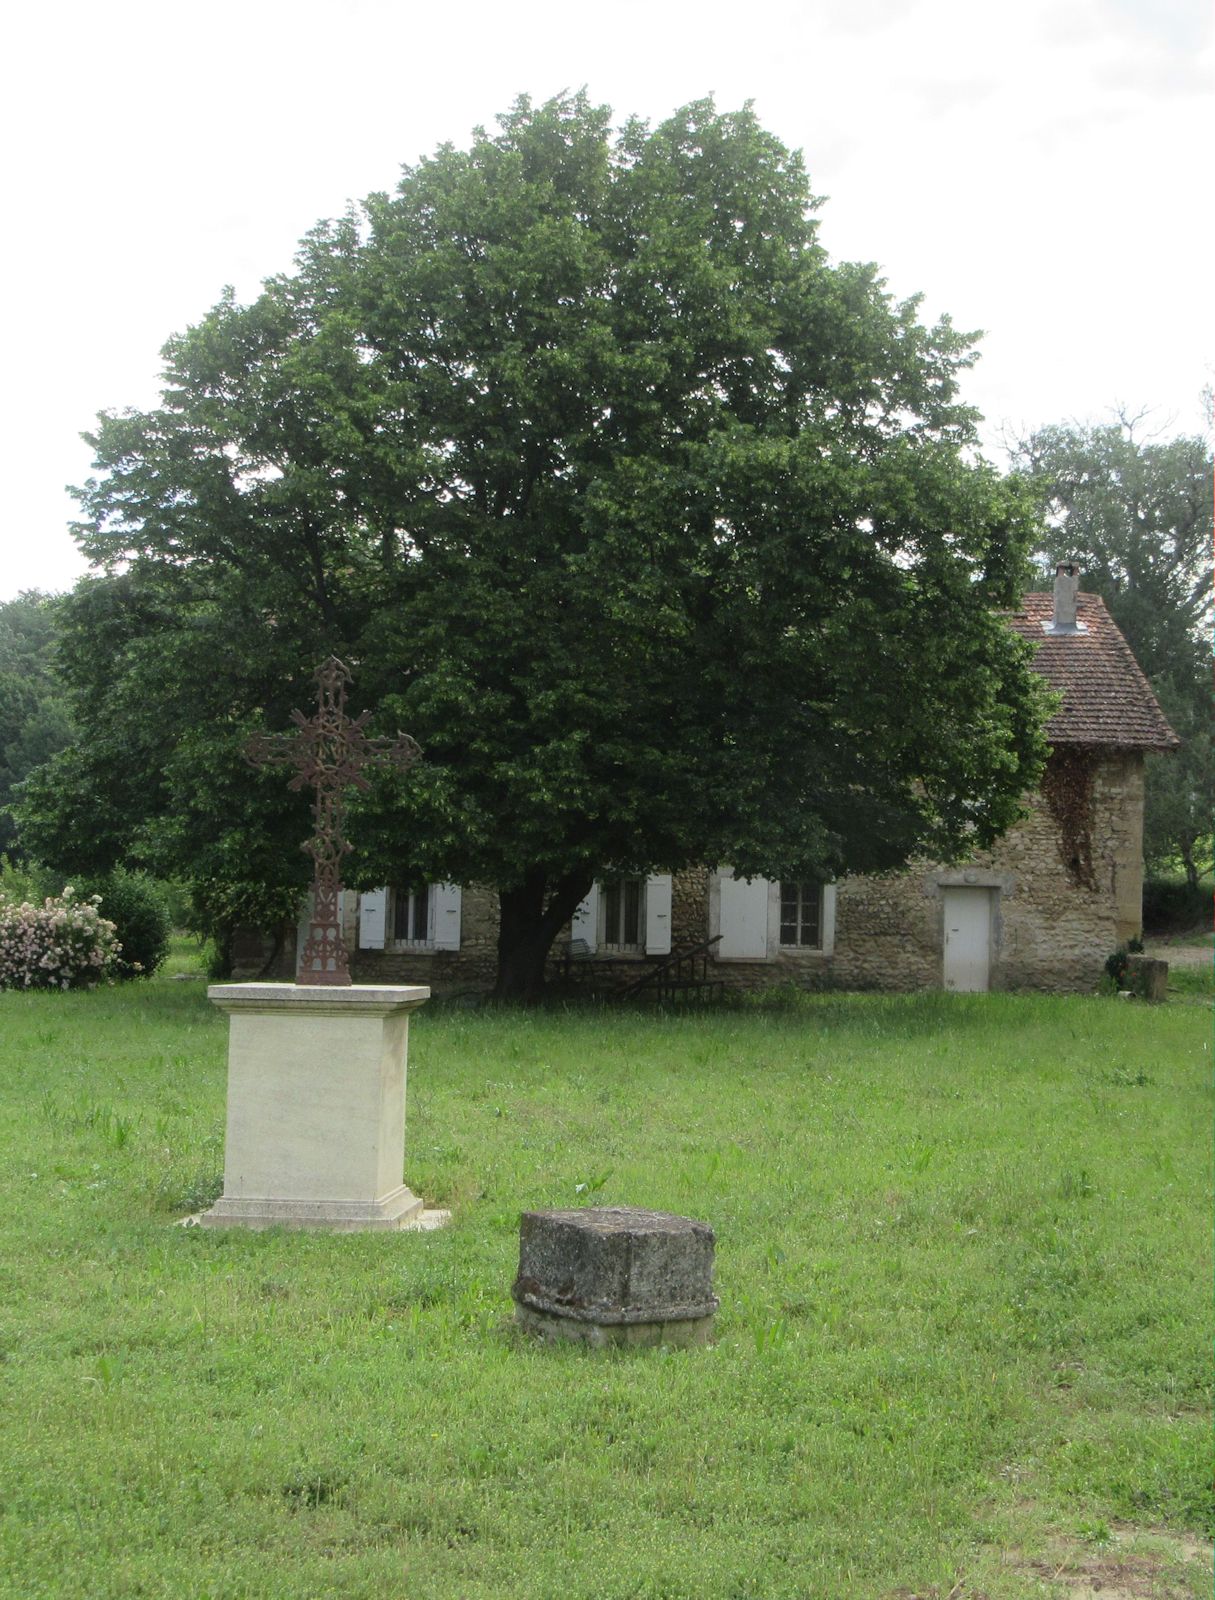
x,y
471,967
690,906
1048,931
1122,779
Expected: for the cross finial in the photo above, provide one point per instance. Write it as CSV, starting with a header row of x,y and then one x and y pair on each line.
x,y
329,752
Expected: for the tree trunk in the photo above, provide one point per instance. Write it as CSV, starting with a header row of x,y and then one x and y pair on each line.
x,y
531,917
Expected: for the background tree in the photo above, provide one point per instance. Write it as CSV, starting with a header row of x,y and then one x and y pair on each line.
x,y
1136,512
34,718
658,530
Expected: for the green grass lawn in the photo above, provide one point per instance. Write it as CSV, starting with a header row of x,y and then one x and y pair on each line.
x,y
963,1252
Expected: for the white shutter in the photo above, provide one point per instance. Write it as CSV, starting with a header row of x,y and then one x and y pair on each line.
x,y
658,914
445,901
301,930
827,911
743,921
373,912
348,917
584,924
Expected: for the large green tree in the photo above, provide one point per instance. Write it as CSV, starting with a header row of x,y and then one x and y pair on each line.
x,y
661,532
34,718
1135,511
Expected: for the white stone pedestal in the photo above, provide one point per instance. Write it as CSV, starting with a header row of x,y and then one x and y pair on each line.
x,y
316,1106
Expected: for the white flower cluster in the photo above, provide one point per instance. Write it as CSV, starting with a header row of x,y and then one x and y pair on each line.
x,y
64,943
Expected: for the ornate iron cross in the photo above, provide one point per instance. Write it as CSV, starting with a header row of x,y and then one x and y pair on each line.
x,y
329,751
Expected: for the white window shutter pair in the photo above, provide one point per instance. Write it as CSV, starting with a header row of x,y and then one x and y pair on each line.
x,y
445,907
584,924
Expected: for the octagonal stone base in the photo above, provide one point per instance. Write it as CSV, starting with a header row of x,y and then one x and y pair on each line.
x,y
604,1335
613,1275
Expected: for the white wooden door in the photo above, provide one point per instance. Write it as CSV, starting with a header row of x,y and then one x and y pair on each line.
x,y
968,940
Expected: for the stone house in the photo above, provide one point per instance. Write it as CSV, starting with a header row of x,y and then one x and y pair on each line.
x,y
1042,910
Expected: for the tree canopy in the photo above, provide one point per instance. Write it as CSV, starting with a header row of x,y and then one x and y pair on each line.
x,y
1135,511
660,531
34,719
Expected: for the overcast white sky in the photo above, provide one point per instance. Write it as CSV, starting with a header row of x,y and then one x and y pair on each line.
x,y
1039,170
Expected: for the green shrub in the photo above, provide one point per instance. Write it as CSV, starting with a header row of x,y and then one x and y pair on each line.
x,y
138,907
64,943
1115,965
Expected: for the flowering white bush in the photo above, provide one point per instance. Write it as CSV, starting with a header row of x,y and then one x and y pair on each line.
x,y
64,943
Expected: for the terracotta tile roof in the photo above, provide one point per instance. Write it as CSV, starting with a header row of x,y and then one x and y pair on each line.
x,y
1106,698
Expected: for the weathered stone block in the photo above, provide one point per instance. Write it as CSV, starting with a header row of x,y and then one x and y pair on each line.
x,y
1147,978
615,1275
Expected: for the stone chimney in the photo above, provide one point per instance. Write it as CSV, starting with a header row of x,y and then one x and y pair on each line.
x,y
1067,585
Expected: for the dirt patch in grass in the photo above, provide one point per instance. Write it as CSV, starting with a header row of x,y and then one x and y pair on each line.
x,y
1129,1564
960,1591
1135,1564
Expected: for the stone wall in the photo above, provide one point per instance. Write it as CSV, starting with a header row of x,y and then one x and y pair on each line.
x,y
690,906
1122,794
1051,930
470,968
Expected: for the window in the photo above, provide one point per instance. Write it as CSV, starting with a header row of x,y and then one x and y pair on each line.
x,y
761,919
423,917
625,916
621,899
801,922
411,916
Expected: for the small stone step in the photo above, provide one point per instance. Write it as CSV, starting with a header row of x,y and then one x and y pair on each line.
x,y
615,1275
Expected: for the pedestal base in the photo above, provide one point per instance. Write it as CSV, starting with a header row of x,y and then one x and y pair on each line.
x,y
399,1210
316,1107
615,1275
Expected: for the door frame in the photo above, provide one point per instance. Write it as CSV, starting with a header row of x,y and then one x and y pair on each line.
x,y
991,898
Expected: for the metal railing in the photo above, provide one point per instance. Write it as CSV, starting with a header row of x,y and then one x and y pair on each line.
x,y
683,974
